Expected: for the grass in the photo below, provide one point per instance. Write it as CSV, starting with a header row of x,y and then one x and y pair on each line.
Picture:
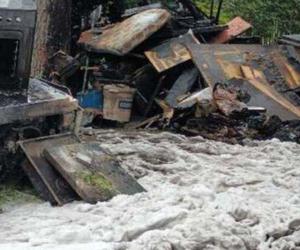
x,y
206,5
100,182
11,195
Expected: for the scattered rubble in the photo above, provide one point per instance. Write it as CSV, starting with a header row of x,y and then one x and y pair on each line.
x,y
166,67
175,57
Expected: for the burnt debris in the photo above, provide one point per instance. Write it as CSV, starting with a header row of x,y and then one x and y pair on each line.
x,y
29,108
186,73
160,66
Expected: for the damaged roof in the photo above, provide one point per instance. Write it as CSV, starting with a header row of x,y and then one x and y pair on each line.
x,y
268,74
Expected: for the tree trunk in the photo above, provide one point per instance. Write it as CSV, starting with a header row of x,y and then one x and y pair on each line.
x,y
53,33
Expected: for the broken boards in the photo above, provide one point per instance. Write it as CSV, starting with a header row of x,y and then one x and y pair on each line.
x,y
236,27
223,63
125,36
92,173
171,53
46,180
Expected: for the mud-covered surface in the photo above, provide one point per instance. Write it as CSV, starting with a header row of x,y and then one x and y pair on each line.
x,y
201,195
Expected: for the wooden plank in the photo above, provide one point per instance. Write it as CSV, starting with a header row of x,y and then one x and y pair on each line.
x,y
291,75
171,53
48,182
38,183
98,177
220,63
259,83
236,27
123,37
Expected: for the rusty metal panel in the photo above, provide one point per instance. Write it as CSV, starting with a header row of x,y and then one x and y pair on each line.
x,y
236,27
171,53
226,63
125,36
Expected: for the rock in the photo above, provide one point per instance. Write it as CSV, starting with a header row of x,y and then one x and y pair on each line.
x,y
294,225
279,233
239,214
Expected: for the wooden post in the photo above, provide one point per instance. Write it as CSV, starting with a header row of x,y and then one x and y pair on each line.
x,y
53,33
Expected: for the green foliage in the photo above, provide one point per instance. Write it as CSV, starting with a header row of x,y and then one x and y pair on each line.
x,y
205,5
270,18
100,182
10,194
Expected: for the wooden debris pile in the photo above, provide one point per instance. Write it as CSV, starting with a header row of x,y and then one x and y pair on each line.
x,y
177,68
161,67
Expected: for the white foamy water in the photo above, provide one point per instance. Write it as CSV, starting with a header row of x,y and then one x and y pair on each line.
x,y
201,195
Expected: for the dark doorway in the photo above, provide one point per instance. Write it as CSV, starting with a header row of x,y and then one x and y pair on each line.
x,y
9,50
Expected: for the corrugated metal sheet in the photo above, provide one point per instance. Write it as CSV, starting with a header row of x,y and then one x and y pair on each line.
x,y
269,81
171,53
125,36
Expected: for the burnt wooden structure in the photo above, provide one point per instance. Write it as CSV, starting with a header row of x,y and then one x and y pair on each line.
x,y
255,69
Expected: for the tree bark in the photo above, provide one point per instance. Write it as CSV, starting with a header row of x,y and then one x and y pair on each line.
x,y
53,33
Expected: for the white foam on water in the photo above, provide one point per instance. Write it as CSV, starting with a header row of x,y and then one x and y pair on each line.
x,y
201,195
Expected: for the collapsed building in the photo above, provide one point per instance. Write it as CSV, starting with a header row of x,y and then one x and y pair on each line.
x,y
172,56
29,107
162,66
